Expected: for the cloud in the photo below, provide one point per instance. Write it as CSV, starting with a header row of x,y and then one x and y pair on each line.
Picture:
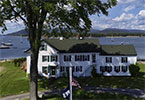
x,y
124,21
129,8
125,1
13,26
141,13
129,5
123,17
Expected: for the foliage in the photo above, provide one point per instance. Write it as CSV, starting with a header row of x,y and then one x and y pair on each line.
x,y
18,62
56,14
134,70
94,72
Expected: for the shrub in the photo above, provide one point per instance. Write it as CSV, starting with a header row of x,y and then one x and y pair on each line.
x,y
93,72
134,70
18,62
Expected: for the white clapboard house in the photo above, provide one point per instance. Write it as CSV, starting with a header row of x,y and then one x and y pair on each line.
x,y
56,56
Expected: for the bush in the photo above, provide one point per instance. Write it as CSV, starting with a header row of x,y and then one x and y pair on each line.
x,y
18,62
93,72
134,70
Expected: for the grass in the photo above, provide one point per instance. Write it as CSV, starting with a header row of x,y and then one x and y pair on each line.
x,y
12,80
106,82
142,68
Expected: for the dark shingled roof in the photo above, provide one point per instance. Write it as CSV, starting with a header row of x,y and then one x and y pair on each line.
x,y
74,45
123,50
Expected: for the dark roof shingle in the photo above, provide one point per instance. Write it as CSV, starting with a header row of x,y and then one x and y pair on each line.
x,y
74,45
123,50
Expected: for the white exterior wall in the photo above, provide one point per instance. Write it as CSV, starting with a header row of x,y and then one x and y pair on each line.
x,y
50,51
86,65
116,61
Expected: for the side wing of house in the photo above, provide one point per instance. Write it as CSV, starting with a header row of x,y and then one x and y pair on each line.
x,y
116,59
116,65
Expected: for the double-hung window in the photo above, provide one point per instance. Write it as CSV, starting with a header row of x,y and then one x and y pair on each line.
x,y
54,58
124,59
108,59
67,57
45,58
117,69
124,68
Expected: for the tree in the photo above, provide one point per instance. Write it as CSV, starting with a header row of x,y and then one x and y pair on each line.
x,y
64,15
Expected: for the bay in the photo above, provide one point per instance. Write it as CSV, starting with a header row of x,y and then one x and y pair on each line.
x,y
20,44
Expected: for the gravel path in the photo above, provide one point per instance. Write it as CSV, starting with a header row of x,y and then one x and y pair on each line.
x,y
19,96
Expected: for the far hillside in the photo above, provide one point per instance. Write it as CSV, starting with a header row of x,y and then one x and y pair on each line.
x,y
93,33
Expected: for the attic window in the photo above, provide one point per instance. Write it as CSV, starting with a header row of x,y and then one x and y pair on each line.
x,y
43,47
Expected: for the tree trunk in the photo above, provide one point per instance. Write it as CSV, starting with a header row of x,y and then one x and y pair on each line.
x,y
33,77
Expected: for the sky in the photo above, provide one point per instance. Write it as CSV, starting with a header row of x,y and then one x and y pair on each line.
x,y
127,14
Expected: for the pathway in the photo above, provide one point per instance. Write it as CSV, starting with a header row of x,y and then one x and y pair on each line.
x,y
133,92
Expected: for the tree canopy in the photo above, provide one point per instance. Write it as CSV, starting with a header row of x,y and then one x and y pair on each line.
x,y
65,15
62,14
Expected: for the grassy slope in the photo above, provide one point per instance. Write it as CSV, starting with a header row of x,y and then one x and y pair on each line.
x,y
12,80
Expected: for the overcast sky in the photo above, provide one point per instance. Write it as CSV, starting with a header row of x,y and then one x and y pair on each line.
x,y
128,14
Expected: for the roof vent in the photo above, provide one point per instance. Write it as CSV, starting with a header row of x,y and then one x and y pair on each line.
x,y
61,38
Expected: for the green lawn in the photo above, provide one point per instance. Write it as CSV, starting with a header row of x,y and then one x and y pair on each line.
x,y
12,80
114,82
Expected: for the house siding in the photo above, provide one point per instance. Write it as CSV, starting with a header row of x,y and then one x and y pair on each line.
x,y
116,61
86,65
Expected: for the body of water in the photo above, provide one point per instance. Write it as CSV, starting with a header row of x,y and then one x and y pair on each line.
x,y
138,42
20,44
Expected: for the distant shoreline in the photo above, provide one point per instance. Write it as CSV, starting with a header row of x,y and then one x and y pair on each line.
x,y
129,36
122,36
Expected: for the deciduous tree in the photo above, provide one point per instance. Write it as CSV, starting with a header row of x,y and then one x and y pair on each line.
x,y
64,15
